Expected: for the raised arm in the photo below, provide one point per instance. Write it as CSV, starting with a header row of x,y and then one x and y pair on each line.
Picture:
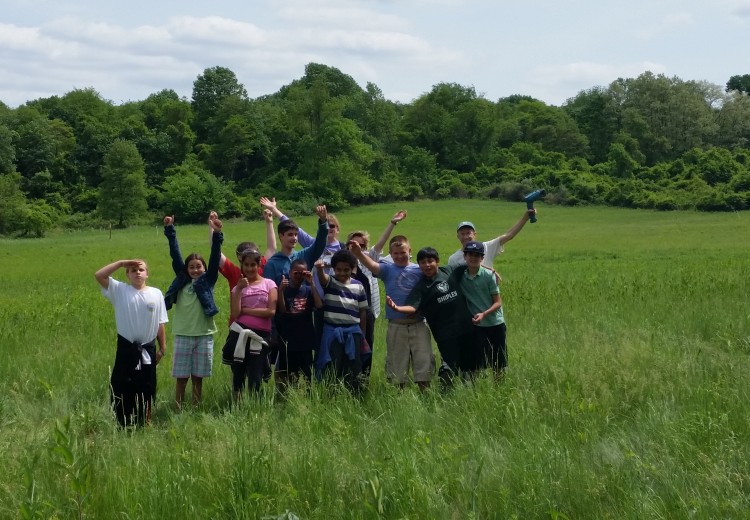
x,y
270,234
174,246
395,219
211,216
368,262
320,265
303,238
513,231
270,205
313,252
217,238
103,274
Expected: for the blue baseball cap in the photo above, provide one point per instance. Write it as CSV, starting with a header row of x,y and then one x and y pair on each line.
x,y
465,223
474,247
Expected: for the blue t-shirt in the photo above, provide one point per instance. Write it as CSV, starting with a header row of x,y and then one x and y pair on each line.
x,y
399,282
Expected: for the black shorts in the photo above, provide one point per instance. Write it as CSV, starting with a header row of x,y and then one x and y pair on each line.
x,y
490,347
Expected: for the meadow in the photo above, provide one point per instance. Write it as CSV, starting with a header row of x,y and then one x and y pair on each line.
x,y
626,395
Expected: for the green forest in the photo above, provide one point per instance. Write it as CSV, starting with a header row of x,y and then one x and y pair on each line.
x,y
80,161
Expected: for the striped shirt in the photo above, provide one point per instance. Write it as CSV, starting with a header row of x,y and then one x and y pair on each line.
x,y
343,301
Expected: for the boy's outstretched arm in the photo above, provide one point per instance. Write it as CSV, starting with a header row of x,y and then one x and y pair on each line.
x,y
103,274
513,231
405,309
270,234
368,262
395,219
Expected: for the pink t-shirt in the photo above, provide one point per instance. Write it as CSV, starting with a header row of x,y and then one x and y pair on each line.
x,y
256,297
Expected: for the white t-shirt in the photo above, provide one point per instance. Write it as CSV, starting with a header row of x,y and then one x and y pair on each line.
x,y
492,248
138,314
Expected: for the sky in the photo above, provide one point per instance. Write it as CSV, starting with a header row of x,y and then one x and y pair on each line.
x,y
547,49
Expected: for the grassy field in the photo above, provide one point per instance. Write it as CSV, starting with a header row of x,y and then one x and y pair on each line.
x,y
626,397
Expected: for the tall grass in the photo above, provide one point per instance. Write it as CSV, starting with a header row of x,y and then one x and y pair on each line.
x,y
626,395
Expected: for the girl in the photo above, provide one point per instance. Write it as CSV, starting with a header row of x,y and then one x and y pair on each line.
x,y
253,306
192,294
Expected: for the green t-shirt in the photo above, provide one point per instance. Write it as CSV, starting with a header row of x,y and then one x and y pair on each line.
x,y
189,318
478,291
442,303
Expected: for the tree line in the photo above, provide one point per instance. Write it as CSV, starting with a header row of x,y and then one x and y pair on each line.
x,y
78,160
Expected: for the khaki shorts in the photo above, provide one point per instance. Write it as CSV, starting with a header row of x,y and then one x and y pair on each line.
x,y
407,343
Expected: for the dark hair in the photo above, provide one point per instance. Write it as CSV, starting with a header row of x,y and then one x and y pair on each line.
x,y
250,253
428,252
343,256
287,225
242,246
299,261
194,256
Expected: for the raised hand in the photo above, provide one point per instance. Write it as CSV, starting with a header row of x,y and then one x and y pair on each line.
x,y
284,282
215,224
169,220
398,216
322,212
267,215
213,215
354,247
268,203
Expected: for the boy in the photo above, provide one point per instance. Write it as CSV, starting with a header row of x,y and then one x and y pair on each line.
x,y
344,307
295,325
140,315
288,231
483,296
439,298
466,232
408,339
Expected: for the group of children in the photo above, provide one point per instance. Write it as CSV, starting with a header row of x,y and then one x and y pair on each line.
x,y
308,312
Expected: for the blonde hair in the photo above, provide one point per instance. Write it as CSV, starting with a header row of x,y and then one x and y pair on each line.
x,y
331,218
397,241
139,260
364,234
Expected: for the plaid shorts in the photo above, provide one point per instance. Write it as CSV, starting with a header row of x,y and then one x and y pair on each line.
x,y
192,356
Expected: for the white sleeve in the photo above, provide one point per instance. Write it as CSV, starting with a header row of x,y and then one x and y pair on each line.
x,y
492,248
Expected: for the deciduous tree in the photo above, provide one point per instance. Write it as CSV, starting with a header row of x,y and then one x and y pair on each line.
x,y
122,193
